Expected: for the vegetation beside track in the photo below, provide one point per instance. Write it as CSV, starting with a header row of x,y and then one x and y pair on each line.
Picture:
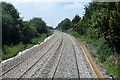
x,y
99,28
108,60
18,34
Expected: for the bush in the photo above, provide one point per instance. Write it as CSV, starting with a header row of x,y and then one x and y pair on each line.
x,y
103,52
73,33
12,50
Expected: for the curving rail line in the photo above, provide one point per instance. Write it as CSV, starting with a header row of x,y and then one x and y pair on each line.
x,y
27,58
92,64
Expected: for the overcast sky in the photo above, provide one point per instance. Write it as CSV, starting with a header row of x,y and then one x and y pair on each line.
x,y
51,11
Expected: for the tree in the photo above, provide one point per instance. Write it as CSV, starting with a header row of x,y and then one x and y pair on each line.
x,y
38,25
65,24
114,24
10,21
15,30
76,19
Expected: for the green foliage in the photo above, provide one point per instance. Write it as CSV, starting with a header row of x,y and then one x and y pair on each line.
x,y
39,39
10,21
101,20
38,25
110,26
103,52
17,34
65,24
112,66
79,27
12,50
50,28
99,49
76,19
15,30
73,33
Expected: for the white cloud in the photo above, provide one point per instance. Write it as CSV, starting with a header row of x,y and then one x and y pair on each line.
x,y
74,5
52,6
52,11
38,1
46,6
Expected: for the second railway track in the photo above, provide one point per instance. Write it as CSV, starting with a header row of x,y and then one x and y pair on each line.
x,y
11,68
48,54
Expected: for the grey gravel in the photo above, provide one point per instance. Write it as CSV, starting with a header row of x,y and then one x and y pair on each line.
x,y
58,57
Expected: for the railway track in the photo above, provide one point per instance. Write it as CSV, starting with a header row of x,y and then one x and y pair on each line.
x,y
59,57
18,63
21,61
92,64
35,52
33,65
60,43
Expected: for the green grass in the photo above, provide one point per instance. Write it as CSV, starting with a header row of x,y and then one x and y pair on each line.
x,y
99,49
9,51
112,66
39,39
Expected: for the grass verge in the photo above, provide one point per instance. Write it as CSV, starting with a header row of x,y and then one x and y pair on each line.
x,y
9,51
100,51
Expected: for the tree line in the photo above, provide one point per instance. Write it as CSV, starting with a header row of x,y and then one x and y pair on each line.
x,y
15,30
99,20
